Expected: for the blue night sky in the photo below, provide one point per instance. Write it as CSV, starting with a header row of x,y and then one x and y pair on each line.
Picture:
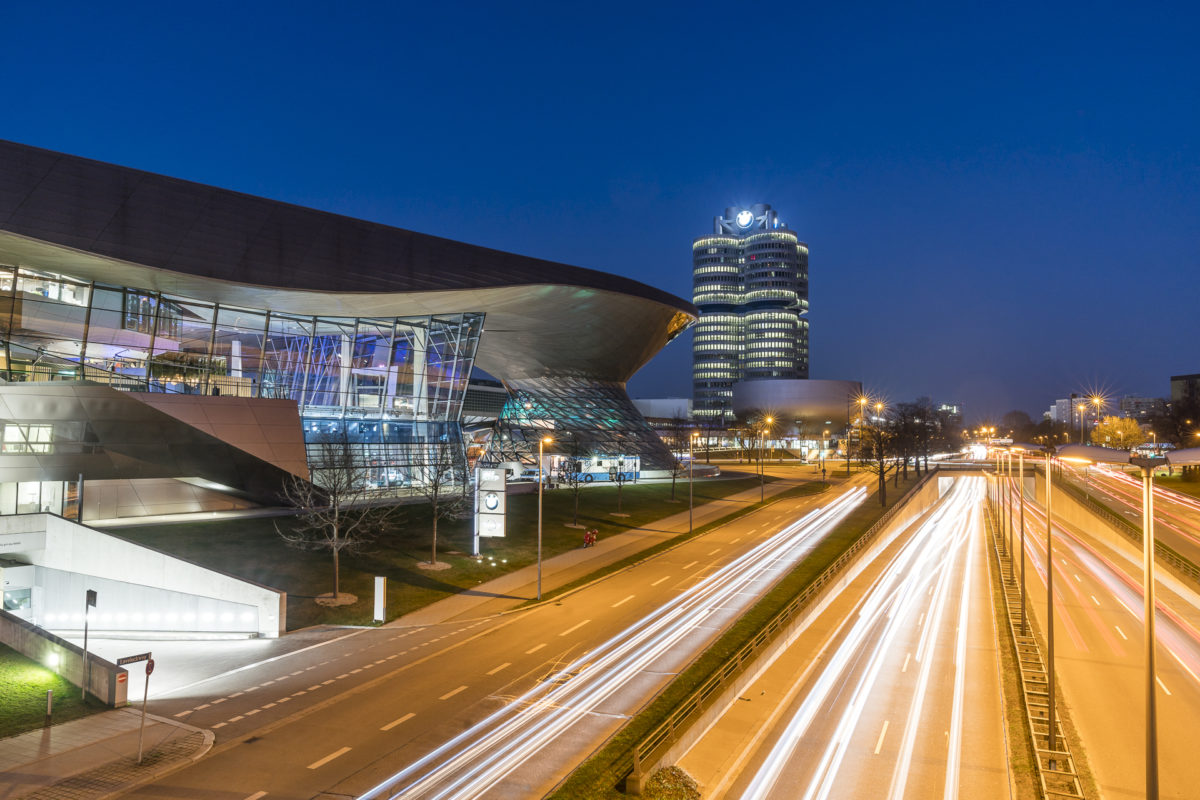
x,y
1001,205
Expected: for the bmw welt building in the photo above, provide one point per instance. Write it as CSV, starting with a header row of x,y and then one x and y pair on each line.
x,y
167,346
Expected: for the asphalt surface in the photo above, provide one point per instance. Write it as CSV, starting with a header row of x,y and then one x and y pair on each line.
x,y
898,694
345,716
1099,658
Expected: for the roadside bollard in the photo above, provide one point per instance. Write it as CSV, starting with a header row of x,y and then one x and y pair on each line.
x,y
49,707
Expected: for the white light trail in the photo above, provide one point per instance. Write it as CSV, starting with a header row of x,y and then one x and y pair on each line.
x,y
477,759
926,559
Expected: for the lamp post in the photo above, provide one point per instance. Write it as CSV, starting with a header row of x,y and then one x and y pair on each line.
x,y
762,443
1021,495
691,478
1081,408
545,440
1188,456
1051,733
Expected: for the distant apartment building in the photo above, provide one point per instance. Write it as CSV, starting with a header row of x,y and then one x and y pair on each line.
x,y
1185,386
1141,408
750,283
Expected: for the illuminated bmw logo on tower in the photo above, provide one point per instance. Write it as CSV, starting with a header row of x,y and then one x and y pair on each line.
x,y
744,218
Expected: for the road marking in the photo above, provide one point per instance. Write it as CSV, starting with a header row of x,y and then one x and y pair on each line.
x,y
1076,574
269,705
660,580
735,541
284,700
219,725
453,692
239,694
297,694
1162,685
252,712
622,602
328,758
268,683
235,719
1094,600
380,661
314,687
921,620
396,722
183,713
574,628
689,566
356,671
879,741
219,700
907,656
339,677
326,683
256,795
1123,636
297,672
505,665
201,708
714,552
533,650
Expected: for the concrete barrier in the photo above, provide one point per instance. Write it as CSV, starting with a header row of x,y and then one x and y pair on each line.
x,y
108,682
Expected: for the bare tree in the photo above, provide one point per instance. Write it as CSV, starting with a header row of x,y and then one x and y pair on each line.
x,y
570,469
335,513
679,431
438,467
874,446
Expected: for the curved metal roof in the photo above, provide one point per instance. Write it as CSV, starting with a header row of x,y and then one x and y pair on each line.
x,y
128,227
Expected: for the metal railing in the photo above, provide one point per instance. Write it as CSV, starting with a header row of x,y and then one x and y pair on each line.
x,y
1055,768
698,701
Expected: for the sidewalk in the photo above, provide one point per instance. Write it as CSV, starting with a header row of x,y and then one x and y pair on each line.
x,y
520,586
96,757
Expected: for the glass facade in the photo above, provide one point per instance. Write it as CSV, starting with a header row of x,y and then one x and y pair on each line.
x,y
390,385
750,282
595,417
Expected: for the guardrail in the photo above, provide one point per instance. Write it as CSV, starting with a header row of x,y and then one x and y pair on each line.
x,y
1133,532
698,701
1055,768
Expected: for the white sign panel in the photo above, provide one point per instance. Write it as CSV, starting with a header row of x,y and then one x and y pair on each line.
x,y
490,501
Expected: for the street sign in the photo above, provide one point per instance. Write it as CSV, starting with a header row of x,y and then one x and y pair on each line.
x,y
122,677
91,598
133,659
149,666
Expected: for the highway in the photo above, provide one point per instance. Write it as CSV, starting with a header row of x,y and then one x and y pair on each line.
x,y
1176,516
1098,644
458,709
899,690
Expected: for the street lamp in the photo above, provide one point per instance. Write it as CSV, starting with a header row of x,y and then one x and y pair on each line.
x,y
1020,451
1091,455
1081,408
545,440
691,478
762,444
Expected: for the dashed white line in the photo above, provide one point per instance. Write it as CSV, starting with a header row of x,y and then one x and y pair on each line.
x,y
219,700
314,687
452,692
714,552
238,694
356,671
1123,636
184,713
235,719
534,649
328,758
1094,600
326,683
660,580
574,628
219,725
689,566
879,741
921,621
1077,578
339,677
1162,685
622,602
201,708
252,712
284,700
256,796
907,656
497,669
396,722
269,705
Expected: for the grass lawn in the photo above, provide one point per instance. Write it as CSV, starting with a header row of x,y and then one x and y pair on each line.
x,y
23,686
1177,484
594,779
251,548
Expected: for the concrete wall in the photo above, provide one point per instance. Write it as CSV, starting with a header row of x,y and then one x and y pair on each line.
x,y
113,499
108,681
912,509
138,582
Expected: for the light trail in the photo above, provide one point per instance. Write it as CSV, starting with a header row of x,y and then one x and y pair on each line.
x,y
477,759
925,561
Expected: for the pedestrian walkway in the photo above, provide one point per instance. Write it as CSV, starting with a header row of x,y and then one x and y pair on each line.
x,y
520,586
96,756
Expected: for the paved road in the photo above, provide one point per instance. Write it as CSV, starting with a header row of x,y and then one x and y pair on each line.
x,y
1176,516
899,693
1098,644
372,705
